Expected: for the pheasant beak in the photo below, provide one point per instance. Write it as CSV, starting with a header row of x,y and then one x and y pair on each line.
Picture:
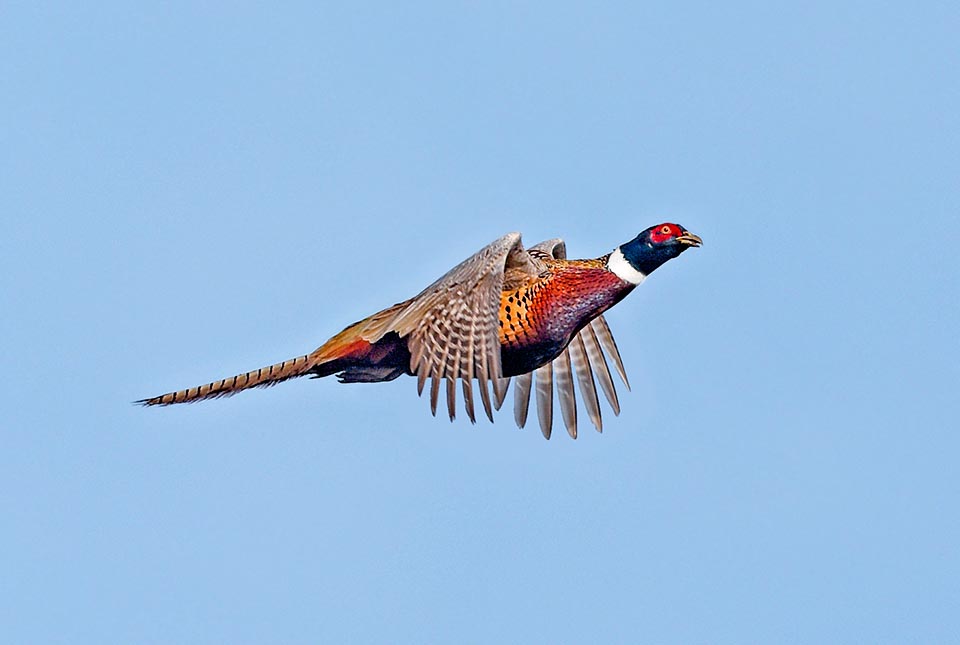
x,y
689,239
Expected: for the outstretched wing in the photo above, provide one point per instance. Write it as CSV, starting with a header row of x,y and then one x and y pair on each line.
x,y
451,326
585,355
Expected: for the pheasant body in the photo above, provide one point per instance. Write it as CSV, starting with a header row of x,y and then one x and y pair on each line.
x,y
538,319
504,313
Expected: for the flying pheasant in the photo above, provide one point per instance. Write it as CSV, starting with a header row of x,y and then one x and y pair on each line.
x,y
504,313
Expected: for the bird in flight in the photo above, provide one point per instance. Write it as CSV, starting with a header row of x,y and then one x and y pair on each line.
x,y
505,313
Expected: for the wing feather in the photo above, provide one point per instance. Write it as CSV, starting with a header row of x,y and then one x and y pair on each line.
x,y
434,392
568,399
452,397
452,326
610,346
521,398
468,400
500,387
588,389
545,398
599,365
484,375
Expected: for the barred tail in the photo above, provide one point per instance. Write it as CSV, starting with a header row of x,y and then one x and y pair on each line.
x,y
265,376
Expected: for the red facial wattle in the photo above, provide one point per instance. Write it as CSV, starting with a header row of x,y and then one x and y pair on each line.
x,y
664,233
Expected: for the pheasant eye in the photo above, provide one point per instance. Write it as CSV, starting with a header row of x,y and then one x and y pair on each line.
x,y
665,230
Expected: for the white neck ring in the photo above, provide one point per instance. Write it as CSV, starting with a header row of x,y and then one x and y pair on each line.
x,y
619,265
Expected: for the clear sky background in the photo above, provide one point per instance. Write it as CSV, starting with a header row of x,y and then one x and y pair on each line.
x,y
191,190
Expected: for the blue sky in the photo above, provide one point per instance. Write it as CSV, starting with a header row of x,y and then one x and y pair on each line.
x,y
191,190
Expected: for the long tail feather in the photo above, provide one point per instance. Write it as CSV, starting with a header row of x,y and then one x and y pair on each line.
x,y
263,377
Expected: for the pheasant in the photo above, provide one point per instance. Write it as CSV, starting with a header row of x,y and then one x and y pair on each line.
x,y
505,313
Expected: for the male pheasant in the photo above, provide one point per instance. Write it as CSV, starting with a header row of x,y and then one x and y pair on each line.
x,y
504,313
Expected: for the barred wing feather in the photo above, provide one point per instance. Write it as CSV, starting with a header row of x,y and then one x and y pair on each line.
x,y
452,326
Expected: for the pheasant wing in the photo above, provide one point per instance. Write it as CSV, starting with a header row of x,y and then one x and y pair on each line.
x,y
451,326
